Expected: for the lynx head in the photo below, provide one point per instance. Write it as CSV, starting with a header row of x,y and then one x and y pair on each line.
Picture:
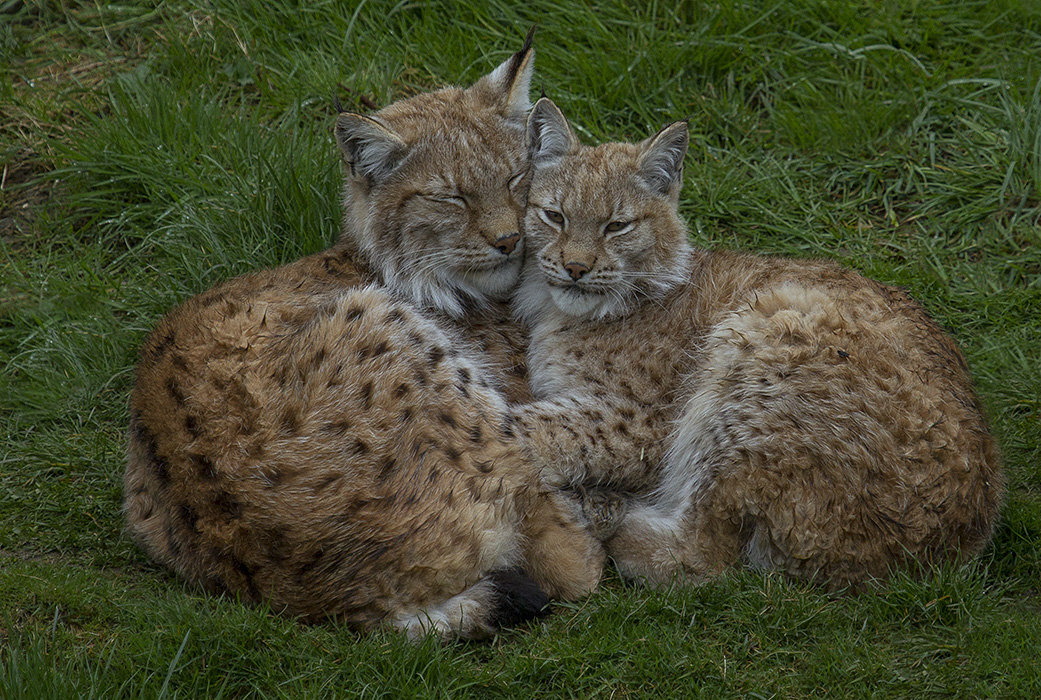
x,y
435,188
601,223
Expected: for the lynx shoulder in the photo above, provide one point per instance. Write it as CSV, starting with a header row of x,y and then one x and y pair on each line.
x,y
324,438
785,414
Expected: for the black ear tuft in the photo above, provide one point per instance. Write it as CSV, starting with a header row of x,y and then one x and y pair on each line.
x,y
510,82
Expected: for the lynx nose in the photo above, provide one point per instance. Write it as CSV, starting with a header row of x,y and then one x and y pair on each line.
x,y
577,270
508,243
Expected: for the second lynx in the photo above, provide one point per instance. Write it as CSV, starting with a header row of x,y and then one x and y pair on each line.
x,y
786,414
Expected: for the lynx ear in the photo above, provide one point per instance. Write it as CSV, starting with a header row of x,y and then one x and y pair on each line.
x,y
661,163
370,149
510,82
549,135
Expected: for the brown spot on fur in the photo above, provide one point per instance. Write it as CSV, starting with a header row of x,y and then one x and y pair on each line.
x,y
310,563
292,420
159,349
302,317
178,361
188,516
203,466
401,390
333,266
228,505
447,419
208,299
273,475
360,447
353,313
484,467
380,349
339,427
317,359
395,316
435,355
276,544
247,575
386,469
161,470
328,481
366,396
175,391
191,424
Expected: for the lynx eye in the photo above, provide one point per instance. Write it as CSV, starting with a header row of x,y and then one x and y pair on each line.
x,y
554,216
447,198
616,226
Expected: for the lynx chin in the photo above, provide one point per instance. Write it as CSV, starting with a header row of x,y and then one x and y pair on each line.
x,y
781,414
332,437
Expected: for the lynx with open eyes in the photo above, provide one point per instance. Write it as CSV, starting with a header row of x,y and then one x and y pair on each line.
x,y
784,414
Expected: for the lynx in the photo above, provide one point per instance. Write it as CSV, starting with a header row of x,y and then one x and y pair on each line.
x,y
330,437
784,414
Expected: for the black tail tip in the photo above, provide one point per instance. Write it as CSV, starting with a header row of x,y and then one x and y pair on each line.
x,y
518,598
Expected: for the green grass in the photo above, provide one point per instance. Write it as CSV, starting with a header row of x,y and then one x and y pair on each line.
x,y
151,151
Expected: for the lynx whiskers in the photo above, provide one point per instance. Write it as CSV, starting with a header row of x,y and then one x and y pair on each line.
x,y
331,437
787,414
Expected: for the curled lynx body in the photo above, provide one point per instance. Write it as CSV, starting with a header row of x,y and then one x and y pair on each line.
x,y
787,414
331,437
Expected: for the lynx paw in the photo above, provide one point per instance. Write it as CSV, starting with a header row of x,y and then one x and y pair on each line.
x,y
604,510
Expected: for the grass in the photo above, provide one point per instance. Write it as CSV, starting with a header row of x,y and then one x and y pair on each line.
x,y
149,151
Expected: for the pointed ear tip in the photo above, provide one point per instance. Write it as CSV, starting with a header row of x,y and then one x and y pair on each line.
x,y
346,120
542,106
529,39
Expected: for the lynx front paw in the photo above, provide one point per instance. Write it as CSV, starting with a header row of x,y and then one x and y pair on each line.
x,y
604,510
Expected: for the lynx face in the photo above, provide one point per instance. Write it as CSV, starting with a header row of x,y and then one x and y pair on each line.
x,y
601,221
436,188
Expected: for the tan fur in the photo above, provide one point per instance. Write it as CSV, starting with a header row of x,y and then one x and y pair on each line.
x,y
321,437
788,414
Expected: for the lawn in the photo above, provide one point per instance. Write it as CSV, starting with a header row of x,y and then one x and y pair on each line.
x,y
150,150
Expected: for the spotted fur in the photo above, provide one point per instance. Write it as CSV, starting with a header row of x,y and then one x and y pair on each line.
x,y
332,437
785,414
